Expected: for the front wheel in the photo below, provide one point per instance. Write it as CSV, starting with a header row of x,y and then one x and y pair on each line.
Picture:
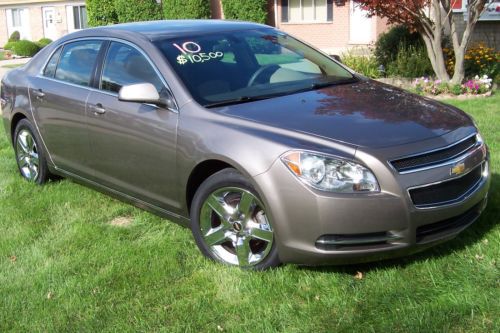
x,y
230,224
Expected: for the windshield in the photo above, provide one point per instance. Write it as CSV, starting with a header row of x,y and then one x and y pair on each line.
x,y
239,66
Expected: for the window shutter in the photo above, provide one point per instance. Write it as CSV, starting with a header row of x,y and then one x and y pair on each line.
x,y
284,10
329,10
456,4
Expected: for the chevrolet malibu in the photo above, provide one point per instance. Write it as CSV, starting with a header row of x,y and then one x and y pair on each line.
x,y
269,150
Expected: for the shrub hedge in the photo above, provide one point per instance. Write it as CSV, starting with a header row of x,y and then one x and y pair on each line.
x,y
244,10
101,12
15,36
366,65
9,45
186,9
389,43
25,48
137,10
411,61
43,42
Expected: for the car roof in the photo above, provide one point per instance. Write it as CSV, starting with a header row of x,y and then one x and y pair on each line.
x,y
155,30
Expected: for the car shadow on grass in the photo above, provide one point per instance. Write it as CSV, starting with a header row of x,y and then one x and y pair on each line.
x,y
470,236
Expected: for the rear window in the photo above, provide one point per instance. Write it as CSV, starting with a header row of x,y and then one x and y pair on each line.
x,y
248,63
77,62
50,69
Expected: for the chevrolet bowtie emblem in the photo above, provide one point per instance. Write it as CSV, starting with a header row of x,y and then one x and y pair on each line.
x,y
458,169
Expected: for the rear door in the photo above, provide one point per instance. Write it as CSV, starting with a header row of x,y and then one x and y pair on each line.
x,y
58,97
133,145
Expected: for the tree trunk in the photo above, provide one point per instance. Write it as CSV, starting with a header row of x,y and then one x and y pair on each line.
x,y
459,70
435,53
474,10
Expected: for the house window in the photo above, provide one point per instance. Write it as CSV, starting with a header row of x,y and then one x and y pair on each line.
x,y
16,17
307,11
80,17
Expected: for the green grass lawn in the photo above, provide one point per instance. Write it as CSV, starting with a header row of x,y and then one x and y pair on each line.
x,y
65,267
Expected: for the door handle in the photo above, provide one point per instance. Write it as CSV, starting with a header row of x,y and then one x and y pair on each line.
x,y
98,109
38,93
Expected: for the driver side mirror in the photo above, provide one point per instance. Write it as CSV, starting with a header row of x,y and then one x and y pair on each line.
x,y
143,93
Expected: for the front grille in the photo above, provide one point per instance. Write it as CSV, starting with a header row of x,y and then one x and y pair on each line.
x,y
356,241
446,192
433,231
434,157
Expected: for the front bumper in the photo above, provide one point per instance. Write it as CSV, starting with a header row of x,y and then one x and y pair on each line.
x,y
314,227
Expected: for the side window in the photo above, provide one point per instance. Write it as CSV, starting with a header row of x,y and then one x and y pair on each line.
x,y
77,62
50,69
125,65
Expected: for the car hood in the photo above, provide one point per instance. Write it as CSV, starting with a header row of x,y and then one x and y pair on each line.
x,y
365,113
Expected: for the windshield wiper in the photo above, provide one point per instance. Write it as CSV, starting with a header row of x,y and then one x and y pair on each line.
x,y
246,99
319,85
239,100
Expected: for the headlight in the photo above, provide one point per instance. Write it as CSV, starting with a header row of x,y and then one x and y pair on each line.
x,y
329,173
479,138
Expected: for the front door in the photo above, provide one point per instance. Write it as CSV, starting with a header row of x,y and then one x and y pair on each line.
x,y
49,23
360,27
133,145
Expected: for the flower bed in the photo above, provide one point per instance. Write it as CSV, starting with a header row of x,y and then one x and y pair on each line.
x,y
478,86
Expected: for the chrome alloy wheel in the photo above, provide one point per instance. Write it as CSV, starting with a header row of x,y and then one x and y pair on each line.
x,y
27,155
235,227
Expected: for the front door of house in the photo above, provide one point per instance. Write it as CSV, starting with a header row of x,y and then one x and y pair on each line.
x,y
49,22
360,27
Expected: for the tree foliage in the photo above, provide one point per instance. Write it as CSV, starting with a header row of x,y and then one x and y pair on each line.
x,y
101,12
244,10
431,18
186,9
137,10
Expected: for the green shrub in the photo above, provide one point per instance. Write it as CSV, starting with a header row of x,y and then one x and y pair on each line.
x,y
389,43
137,10
43,42
25,48
186,9
9,45
245,10
101,12
365,65
456,89
411,61
15,36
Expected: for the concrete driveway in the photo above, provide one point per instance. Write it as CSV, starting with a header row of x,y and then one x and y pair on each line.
x,y
4,64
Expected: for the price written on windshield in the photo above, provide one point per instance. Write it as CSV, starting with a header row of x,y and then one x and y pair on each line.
x,y
191,53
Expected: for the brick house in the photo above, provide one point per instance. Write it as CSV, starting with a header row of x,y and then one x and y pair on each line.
x,y
331,25
35,19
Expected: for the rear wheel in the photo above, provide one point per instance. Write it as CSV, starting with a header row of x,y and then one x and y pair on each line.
x,y
29,155
230,223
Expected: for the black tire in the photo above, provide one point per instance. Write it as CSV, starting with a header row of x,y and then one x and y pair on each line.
x,y
227,180
25,128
